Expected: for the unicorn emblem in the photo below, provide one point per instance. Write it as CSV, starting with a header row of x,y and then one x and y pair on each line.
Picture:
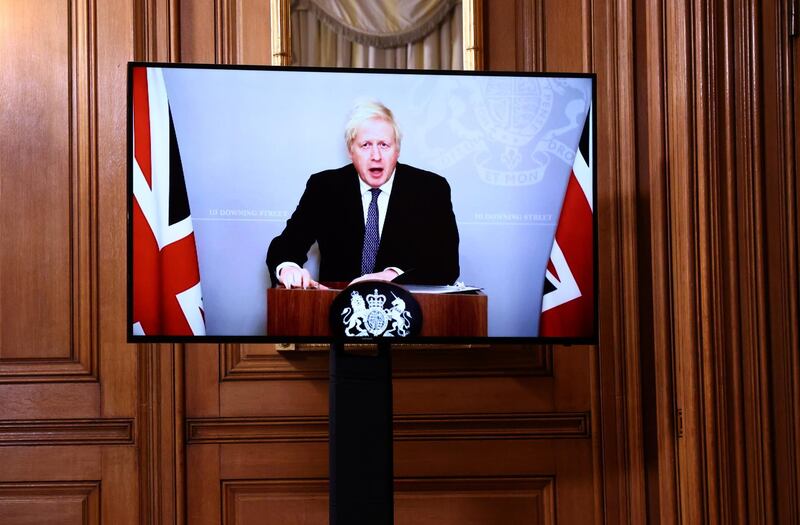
x,y
399,318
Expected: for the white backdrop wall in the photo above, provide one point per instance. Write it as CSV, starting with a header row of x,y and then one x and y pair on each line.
x,y
249,139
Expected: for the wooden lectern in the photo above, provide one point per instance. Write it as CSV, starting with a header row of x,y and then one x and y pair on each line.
x,y
305,313
360,389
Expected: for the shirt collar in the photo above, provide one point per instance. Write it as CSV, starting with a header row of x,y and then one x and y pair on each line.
x,y
385,188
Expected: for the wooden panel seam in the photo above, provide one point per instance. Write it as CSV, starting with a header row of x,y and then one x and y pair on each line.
x,y
661,435
156,30
46,371
407,427
50,432
748,145
226,34
402,484
159,433
160,368
540,488
782,244
531,32
47,488
519,360
84,189
622,470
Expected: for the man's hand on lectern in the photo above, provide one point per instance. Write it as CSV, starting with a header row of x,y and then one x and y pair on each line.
x,y
386,275
292,277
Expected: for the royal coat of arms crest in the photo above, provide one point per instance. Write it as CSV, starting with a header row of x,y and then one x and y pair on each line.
x,y
370,318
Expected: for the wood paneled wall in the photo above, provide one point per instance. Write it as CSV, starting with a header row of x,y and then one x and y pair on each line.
x,y
724,233
688,411
699,237
68,389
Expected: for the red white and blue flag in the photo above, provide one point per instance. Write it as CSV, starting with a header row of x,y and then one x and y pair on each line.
x,y
167,299
568,296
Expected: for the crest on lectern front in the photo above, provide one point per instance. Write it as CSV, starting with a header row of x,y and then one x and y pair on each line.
x,y
380,310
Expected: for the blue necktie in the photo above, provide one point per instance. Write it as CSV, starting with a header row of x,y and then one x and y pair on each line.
x,y
372,238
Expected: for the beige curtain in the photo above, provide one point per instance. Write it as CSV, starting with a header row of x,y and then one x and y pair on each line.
x,y
413,34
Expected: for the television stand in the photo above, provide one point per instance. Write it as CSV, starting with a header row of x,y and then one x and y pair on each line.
x,y
361,472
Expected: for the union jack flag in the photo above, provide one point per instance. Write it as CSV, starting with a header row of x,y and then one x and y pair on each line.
x,y
167,299
568,300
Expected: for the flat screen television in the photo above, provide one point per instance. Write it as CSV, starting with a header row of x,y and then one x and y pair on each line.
x,y
492,195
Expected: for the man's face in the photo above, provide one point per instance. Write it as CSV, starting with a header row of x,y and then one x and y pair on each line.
x,y
374,151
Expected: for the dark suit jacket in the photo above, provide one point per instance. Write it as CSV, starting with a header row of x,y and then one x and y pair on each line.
x,y
419,235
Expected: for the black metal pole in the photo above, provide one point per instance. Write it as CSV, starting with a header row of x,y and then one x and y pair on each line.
x,y
360,454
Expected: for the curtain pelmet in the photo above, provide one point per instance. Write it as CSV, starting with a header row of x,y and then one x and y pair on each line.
x,y
316,43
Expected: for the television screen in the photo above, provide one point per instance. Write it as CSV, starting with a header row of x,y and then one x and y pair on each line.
x,y
257,194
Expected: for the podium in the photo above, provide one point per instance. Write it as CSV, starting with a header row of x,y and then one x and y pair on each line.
x,y
360,389
297,312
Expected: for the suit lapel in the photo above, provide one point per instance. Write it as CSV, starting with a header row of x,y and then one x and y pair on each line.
x,y
394,212
352,209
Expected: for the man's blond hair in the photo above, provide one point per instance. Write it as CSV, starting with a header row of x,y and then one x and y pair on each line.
x,y
367,110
